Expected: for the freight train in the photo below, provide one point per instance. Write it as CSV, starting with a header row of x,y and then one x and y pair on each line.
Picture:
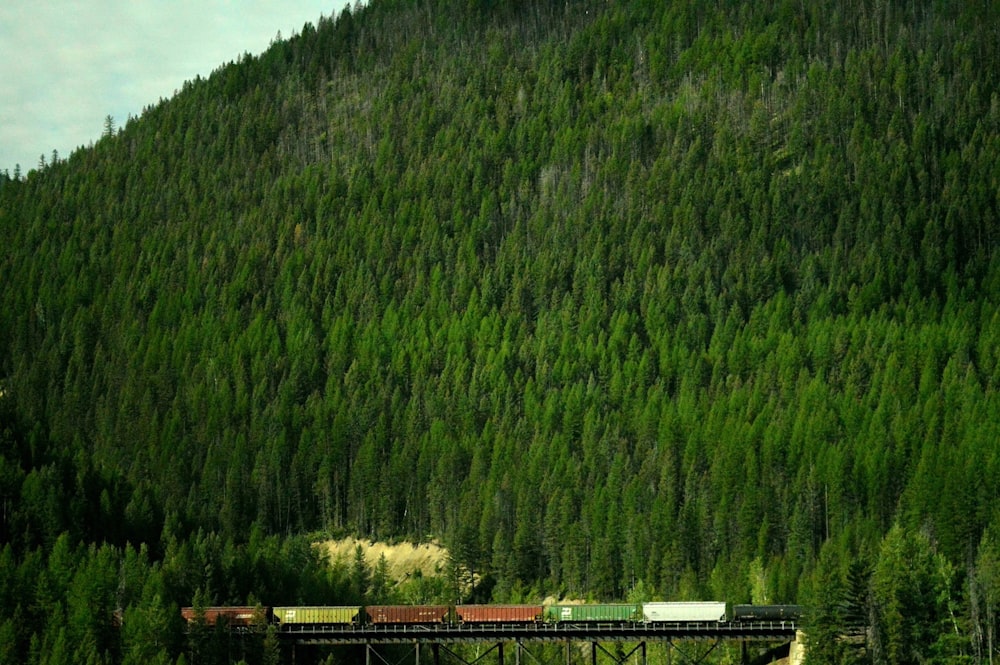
x,y
456,616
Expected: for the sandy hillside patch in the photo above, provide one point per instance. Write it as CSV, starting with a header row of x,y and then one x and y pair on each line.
x,y
403,559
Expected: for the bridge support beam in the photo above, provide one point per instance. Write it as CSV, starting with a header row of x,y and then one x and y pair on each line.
x,y
620,657
370,651
522,649
694,660
498,647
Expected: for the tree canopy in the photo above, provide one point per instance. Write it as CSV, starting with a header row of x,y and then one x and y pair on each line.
x,y
693,298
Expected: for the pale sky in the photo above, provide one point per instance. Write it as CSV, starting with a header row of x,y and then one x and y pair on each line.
x,y
67,64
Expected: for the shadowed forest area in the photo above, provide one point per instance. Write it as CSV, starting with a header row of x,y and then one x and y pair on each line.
x,y
650,300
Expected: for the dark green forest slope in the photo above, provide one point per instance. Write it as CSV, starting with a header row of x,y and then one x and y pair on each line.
x,y
684,300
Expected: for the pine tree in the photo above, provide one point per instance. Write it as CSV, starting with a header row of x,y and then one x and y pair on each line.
x,y
360,575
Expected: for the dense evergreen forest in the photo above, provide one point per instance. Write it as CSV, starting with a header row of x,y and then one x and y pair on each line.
x,y
654,299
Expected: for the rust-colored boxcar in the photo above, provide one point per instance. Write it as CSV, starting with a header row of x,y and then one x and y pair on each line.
x,y
499,613
232,616
407,614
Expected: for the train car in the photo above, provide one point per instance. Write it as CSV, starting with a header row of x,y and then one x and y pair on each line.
x,y
589,613
684,612
231,616
408,614
498,613
767,612
315,616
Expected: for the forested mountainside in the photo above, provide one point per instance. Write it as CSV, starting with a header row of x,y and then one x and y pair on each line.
x,y
650,299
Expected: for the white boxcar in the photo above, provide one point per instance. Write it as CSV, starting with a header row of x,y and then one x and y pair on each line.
x,y
696,611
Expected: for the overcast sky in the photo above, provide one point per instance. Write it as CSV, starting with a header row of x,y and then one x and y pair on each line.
x,y
67,64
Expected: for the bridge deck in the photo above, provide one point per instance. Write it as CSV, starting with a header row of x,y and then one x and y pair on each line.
x,y
541,632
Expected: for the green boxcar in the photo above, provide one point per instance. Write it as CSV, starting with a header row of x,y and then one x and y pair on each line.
x,y
589,613
316,615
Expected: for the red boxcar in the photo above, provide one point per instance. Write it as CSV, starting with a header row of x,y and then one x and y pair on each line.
x,y
499,613
407,614
233,616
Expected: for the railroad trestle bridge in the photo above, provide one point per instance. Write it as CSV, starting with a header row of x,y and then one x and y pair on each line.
x,y
690,642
